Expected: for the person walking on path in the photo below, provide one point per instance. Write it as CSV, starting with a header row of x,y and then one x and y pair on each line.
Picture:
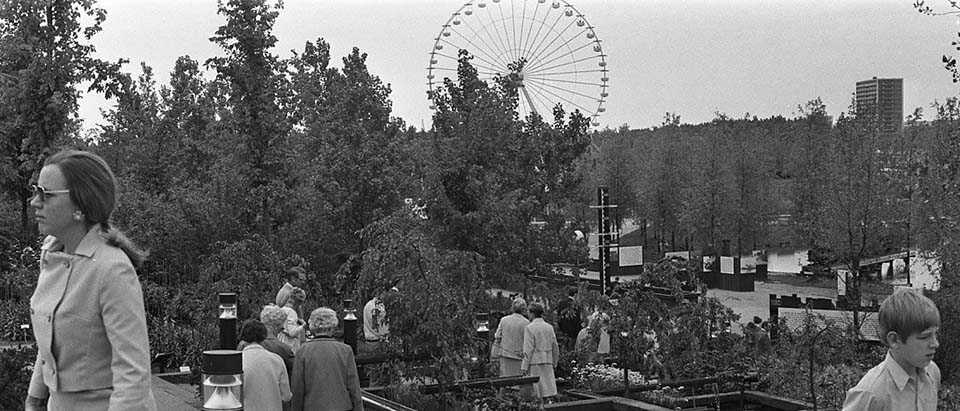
x,y
324,371
508,343
540,353
266,385
273,318
87,310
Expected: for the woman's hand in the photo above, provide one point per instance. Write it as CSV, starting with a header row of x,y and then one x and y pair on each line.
x,y
34,404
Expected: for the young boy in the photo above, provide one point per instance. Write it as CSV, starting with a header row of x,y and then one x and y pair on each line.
x,y
908,378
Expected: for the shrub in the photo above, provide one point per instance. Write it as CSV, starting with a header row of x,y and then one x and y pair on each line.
x,y
16,367
433,314
948,301
12,315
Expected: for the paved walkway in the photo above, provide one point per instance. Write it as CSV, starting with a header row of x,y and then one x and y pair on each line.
x,y
173,397
757,303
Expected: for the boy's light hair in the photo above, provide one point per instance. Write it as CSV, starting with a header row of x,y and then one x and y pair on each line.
x,y
907,312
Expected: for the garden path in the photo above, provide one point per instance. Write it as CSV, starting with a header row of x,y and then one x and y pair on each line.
x,y
757,303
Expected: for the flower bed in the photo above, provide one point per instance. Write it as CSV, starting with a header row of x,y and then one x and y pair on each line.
x,y
599,377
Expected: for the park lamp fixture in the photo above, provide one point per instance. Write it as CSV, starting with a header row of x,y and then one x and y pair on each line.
x,y
222,380
483,323
228,320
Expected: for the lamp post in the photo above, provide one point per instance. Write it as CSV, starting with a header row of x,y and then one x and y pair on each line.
x,y
350,325
228,320
483,333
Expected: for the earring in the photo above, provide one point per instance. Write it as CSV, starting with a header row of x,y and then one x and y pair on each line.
x,y
78,215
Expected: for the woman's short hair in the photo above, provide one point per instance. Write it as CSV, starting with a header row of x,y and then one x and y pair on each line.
x,y
253,331
907,312
536,309
273,316
519,305
323,320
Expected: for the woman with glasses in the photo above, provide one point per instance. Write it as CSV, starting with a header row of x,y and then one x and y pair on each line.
x,y
87,311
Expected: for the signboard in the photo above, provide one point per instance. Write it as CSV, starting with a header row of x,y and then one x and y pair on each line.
x,y
631,256
726,265
708,261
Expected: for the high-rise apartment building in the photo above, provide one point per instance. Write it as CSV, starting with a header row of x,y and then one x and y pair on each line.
x,y
882,97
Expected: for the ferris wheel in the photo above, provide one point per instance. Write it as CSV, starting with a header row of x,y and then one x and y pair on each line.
x,y
548,44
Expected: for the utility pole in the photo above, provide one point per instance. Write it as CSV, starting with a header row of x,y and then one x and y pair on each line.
x,y
608,238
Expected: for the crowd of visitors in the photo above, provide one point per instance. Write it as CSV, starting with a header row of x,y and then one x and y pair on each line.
x,y
298,365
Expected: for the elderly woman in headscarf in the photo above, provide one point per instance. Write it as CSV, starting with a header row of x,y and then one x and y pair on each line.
x,y
324,371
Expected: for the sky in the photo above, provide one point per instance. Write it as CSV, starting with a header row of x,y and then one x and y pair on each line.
x,y
692,58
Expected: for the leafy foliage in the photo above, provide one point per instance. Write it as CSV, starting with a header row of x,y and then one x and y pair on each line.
x,y
432,315
44,56
491,175
16,367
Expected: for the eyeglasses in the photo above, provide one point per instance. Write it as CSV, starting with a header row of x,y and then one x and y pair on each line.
x,y
43,193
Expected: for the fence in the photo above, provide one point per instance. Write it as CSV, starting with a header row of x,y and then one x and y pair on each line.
x,y
794,311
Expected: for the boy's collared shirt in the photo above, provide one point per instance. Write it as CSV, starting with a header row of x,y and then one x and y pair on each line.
x,y
888,387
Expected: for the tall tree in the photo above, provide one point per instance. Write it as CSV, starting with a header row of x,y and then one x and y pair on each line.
x,y
354,156
751,179
44,55
707,200
255,122
191,104
937,218
494,173
618,169
664,173
811,131
857,197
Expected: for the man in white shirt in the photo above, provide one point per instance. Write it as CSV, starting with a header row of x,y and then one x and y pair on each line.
x,y
296,277
375,328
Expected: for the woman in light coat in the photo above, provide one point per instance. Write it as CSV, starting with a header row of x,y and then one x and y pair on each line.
x,y
508,342
87,310
540,352
324,370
